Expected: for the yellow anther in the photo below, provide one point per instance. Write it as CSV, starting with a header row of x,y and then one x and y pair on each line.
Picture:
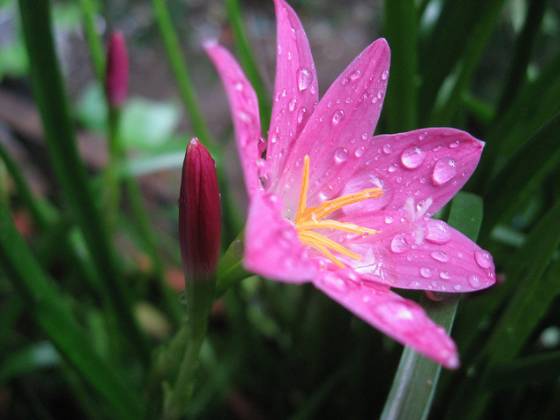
x,y
309,219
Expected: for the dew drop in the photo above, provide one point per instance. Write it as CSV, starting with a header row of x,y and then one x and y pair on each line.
x,y
274,139
360,152
474,281
440,256
454,144
438,232
304,79
444,275
356,75
238,86
261,146
340,155
392,168
483,259
292,105
425,272
385,75
387,148
398,244
243,116
388,219
412,157
334,282
337,117
444,170
301,114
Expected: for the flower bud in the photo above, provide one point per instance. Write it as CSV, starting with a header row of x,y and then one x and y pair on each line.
x,y
116,72
199,213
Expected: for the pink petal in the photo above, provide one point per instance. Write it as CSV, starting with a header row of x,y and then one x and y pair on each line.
x,y
347,113
245,112
432,164
401,319
295,91
424,254
272,248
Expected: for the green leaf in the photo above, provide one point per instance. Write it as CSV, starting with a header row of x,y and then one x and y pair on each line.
x,y
416,379
147,124
537,368
50,95
34,357
522,175
533,293
48,308
401,28
230,267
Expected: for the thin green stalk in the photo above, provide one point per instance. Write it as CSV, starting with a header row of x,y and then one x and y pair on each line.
x,y
401,28
248,61
50,310
182,76
70,172
39,211
199,294
112,181
517,74
92,38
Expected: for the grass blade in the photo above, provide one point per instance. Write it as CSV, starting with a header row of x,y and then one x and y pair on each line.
x,y
401,28
416,379
50,95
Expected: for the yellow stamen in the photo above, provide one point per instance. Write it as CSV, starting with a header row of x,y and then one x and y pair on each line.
x,y
309,219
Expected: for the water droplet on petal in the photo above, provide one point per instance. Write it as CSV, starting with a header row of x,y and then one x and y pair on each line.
x,y
440,256
412,157
359,151
425,272
392,168
454,144
387,149
243,116
261,145
385,75
444,170
474,281
334,282
340,155
292,105
388,219
444,275
438,232
483,259
356,75
273,139
398,244
337,117
238,86
304,79
301,114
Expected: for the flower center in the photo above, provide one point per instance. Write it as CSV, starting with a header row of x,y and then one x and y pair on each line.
x,y
308,219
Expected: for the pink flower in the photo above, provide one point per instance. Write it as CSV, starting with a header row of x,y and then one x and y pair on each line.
x,y
346,210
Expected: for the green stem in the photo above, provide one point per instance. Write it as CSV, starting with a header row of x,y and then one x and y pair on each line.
x,y
70,172
182,76
93,40
199,294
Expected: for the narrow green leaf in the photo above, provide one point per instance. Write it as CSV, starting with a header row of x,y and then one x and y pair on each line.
x,y
533,295
96,50
29,359
47,307
477,41
182,74
445,46
401,29
537,368
70,172
524,44
522,175
416,379
248,61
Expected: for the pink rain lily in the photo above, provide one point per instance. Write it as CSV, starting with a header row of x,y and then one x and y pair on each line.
x,y
350,212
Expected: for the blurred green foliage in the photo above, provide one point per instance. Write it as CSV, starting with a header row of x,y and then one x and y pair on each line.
x,y
75,295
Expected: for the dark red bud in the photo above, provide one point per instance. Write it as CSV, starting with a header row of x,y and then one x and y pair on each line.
x,y
116,74
199,212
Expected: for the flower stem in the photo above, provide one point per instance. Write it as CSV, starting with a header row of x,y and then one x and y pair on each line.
x,y
182,75
199,294
93,40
